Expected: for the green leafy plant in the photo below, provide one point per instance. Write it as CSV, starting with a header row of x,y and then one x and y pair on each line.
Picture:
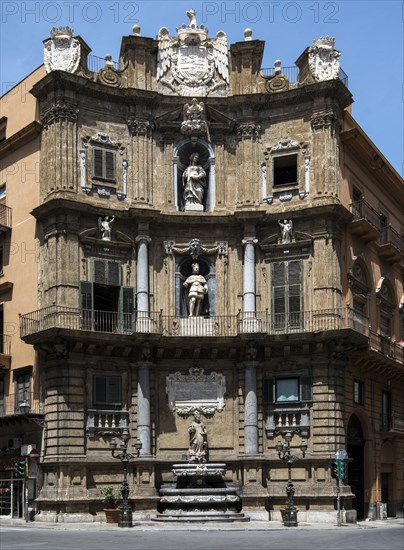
x,y
110,496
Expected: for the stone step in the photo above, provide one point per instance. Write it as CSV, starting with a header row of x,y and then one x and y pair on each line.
x,y
194,517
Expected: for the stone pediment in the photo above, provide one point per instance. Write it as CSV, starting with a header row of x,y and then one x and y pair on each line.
x,y
299,239
120,240
216,121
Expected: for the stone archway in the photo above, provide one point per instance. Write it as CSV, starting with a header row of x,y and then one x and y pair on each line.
x,y
356,468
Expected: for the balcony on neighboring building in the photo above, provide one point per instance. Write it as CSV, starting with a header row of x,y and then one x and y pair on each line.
x,y
11,406
5,351
392,423
391,245
387,347
366,221
74,319
5,218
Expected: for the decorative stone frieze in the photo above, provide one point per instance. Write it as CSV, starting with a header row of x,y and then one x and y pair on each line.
x,y
195,248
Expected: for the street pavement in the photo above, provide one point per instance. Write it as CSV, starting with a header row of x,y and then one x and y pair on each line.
x,y
199,526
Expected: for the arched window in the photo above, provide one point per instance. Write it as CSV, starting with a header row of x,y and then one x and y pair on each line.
x,y
194,176
183,271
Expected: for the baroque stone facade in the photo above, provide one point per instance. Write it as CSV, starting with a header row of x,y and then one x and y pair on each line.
x,y
286,324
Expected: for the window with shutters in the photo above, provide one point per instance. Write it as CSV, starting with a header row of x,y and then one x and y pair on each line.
x,y
287,296
106,305
359,392
107,391
22,389
104,165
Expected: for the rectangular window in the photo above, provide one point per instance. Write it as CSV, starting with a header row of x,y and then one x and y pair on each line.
x,y
359,393
107,391
285,170
22,389
1,261
287,296
386,411
1,395
104,165
385,326
287,390
3,191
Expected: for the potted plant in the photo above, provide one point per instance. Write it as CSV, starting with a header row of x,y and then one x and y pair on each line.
x,y
110,498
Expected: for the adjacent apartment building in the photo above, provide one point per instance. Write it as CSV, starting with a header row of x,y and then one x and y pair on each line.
x,y
186,232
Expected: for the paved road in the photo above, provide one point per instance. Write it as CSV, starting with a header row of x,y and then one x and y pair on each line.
x,y
59,538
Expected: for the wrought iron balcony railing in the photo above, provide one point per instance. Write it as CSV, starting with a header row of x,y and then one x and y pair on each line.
x,y
386,346
292,74
10,406
69,318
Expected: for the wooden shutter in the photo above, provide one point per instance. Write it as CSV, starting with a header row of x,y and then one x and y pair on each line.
x,y
279,287
127,306
306,391
98,163
106,272
268,390
110,165
107,390
86,293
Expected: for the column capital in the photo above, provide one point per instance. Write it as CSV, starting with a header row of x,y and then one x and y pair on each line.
x,y
141,238
249,240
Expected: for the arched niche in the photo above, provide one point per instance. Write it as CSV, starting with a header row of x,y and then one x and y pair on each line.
x,y
181,160
182,272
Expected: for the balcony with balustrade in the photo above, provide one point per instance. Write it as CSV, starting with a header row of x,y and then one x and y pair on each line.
x,y
366,221
106,422
57,319
5,218
391,245
295,419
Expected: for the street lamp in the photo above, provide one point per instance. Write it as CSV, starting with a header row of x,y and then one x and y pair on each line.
x,y
285,454
125,516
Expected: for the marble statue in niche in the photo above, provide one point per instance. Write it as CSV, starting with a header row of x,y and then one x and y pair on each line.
x,y
198,440
194,182
105,227
197,287
286,230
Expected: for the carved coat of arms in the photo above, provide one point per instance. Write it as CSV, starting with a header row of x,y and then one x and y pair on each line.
x,y
323,59
62,51
191,63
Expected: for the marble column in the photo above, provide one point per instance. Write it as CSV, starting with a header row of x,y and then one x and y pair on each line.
x,y
142,275
250,409
143,407
249,275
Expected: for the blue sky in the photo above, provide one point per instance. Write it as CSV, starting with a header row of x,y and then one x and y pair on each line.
x,y
370,35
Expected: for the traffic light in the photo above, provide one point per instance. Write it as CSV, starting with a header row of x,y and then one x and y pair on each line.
x,y
334,470
19,468
341,469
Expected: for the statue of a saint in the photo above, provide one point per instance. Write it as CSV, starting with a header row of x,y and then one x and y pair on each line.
x,y
105,227
194,181
198,287
198,440
286,230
